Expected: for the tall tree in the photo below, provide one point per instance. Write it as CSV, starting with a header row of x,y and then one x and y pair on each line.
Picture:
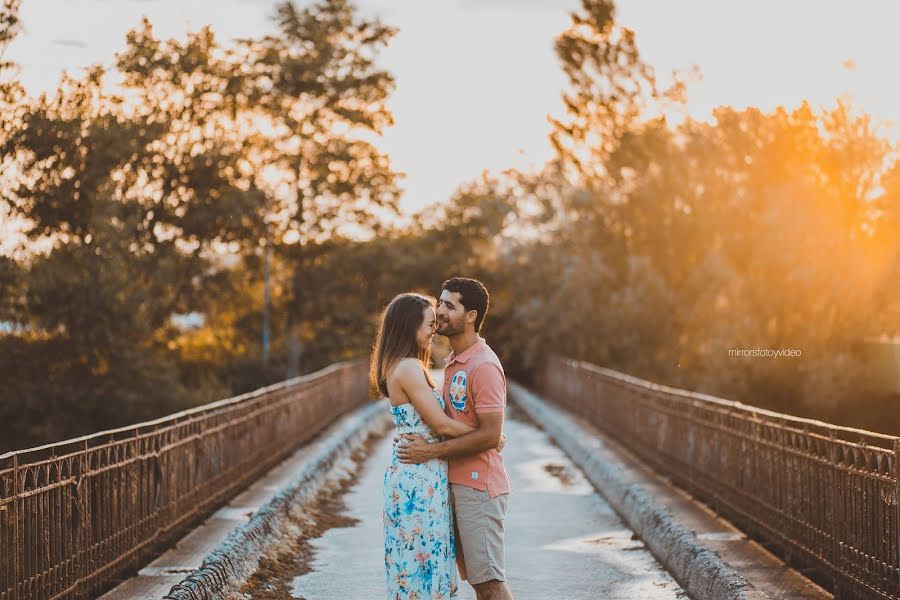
x,y
10,26
610,87
203,147
319,85
323,95
11,94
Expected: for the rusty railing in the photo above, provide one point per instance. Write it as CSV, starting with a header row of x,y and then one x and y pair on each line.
x,y
823,497
79,515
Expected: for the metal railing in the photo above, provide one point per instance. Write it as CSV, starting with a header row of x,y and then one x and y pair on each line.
x,y
79,515
824,497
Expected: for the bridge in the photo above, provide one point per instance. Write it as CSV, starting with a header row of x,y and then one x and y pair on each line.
x,y
623,489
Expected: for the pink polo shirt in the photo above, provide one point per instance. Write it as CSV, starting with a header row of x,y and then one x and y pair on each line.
x,y
474,383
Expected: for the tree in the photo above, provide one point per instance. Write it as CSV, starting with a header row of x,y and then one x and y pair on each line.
x,y
10,26
204,147
319,86
11,91
322,93
611,87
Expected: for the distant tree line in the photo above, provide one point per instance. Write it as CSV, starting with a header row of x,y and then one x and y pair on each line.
x,y
649,246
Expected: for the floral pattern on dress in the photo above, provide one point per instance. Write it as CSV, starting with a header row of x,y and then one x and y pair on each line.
x,y
419,548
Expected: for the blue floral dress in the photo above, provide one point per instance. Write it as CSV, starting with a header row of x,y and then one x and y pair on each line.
x,y
419,547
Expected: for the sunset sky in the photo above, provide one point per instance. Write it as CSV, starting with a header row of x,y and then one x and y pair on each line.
x,y
476,78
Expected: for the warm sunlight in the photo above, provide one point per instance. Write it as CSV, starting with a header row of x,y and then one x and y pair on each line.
x,y
272,273
465,106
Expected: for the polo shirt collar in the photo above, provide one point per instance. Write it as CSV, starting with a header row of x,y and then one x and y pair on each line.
x,y
468,353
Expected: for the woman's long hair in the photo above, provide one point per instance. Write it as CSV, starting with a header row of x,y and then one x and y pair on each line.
x,y
396,338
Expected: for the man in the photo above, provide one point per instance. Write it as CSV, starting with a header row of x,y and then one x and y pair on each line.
x,y
475,391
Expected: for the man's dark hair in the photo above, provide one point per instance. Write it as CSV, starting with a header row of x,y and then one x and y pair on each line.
x,y
473,296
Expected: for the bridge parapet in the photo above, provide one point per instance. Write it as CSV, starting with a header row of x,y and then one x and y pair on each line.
x,y
75,516
824,497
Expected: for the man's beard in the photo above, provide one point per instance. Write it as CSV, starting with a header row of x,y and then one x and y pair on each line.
x,y
447,329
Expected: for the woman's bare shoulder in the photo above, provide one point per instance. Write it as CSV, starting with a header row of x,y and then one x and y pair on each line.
x,y
404,370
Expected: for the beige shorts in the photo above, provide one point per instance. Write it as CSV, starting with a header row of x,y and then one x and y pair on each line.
x,y
479,524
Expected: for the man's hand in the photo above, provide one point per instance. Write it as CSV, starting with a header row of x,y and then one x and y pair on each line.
x,y
414,451
406,436
409,436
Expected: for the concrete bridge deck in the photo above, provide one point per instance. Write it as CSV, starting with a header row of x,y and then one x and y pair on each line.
x,y
563,539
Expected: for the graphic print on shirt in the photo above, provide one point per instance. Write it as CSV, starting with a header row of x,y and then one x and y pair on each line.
x,y
458,391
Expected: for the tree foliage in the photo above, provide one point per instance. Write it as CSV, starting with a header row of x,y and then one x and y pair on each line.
x,y
157,195
643,246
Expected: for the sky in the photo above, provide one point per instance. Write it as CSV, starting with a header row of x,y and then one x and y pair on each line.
x,y
476,79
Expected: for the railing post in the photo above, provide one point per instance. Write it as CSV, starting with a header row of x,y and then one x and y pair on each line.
x,y
17,543
896,564
85,517
836,490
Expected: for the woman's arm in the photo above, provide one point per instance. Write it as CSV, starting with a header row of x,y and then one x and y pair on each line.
x,y
411,380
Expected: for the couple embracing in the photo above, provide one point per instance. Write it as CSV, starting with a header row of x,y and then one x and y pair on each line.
x,y
445,489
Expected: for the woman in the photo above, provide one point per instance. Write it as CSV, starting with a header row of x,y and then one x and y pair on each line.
x,y
419,545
